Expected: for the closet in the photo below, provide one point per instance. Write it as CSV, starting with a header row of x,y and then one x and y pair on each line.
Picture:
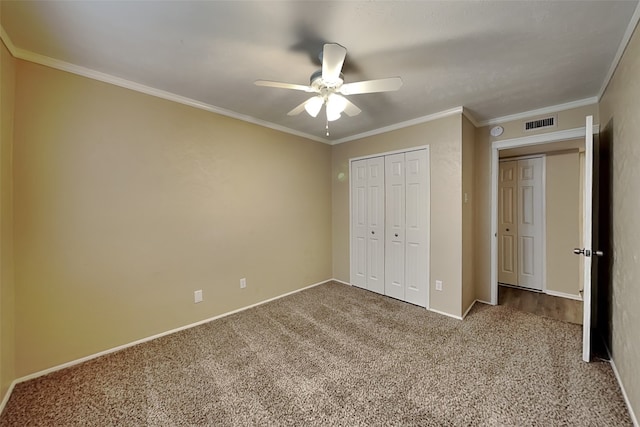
x,y
390,225
520,222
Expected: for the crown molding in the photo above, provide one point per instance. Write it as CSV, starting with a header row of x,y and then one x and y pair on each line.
x,y
148,90
468,115
633,23
540,111
401,125
7,41
128,84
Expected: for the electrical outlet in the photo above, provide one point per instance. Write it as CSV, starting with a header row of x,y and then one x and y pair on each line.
x,y
197,296
438,285
243,283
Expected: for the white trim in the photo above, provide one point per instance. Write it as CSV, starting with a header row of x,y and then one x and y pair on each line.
x,y
6,397
527,157
496,146
623,46
634,419
401,125
563,295
468,115
484,302
162,334
544,138
159,93
340,281
541,111
444,314
493,255
543,236
469,309
7,41
387,153
128,84
587,239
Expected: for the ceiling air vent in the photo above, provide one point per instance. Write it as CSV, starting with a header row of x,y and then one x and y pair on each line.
x,y
547,122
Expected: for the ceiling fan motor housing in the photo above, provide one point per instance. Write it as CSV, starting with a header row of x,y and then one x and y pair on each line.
x,y
318,83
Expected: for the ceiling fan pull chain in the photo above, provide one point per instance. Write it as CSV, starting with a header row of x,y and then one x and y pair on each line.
x,y
327,127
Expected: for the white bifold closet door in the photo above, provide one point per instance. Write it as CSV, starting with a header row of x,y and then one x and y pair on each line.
x,y
367,224
389,225
406,216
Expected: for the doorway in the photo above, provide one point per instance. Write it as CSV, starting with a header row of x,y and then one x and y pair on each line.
x,y
539,140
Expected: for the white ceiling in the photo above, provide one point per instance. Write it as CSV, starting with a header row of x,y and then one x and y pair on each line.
x,y
495,58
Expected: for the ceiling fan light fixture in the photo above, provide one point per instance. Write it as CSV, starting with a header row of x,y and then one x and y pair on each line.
x,y
313,105
336,103
332,115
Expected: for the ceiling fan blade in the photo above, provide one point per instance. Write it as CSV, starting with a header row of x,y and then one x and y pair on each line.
x,y
370,86
351,109
281,85
299,109
332,59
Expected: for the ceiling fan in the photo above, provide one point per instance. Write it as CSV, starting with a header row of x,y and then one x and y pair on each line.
x,y
329,87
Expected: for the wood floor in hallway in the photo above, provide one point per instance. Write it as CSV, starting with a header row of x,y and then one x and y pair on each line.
x,y
542,304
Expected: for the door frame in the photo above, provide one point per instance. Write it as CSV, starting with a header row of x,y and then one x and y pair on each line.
x,y
428,214
496,146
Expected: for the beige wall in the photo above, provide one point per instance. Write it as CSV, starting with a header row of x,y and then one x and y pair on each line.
x,y
7,335
568,119
444,139
468,210
125,204
563,212
619,112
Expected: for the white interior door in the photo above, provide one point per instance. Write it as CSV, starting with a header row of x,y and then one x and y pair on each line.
x,y
395,226
358,178
529,213
416,227
587,240
375,224
507,223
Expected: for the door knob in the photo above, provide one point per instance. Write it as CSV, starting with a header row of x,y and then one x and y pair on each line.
x,y
373,232
586,252
396,234
507,229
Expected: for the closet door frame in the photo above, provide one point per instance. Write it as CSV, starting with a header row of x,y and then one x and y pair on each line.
x,y
427,214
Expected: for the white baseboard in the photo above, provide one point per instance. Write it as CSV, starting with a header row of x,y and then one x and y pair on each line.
x,y
563,295
340,281
469,309
7,395
634,420
445,314
484,302
150,338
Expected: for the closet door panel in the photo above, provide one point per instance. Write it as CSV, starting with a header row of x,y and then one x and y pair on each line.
x,y
507,223
395,226
530,216
416,228
359,223
375,224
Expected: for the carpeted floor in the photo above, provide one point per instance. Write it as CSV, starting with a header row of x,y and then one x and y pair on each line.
x,y
337,355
